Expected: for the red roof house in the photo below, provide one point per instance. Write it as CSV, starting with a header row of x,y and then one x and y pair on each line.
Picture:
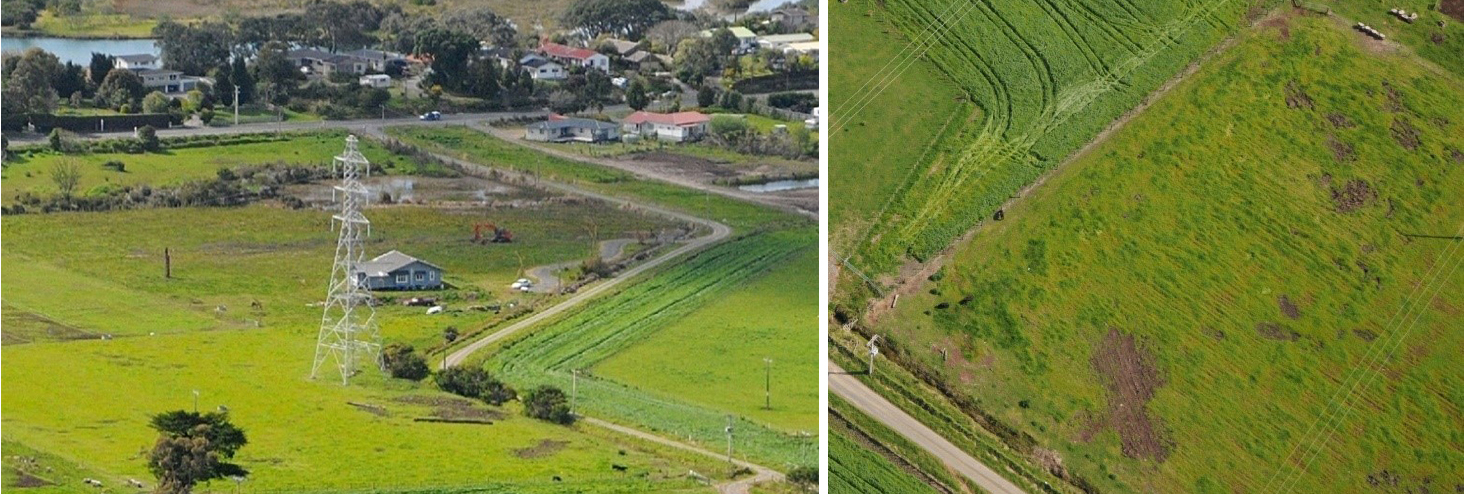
x,y
677,127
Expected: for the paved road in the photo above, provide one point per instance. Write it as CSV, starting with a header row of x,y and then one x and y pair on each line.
x,y
255,128
871,403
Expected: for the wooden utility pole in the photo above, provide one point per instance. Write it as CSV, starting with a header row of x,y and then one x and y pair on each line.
x,y
167,263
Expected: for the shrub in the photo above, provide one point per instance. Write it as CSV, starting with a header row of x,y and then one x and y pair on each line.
x,y
148,136
548,403
803,475
474,382
402,362
115,165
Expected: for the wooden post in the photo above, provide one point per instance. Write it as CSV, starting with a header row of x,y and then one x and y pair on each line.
x,y
167,263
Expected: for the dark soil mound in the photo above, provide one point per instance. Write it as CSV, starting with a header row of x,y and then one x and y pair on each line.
x,y
1128,372
1275,331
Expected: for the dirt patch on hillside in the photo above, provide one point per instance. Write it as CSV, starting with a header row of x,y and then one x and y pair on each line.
x,y
1395,98
1405,134
1296,96
683,164
453,408
545,448
25,480
1129,374
1366,335
1288,308
1353,196
43,328
1456,156
1453,8
1341,151
1276,331
1340,121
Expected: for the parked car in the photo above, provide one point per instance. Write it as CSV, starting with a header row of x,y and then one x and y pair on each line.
x,y
431,116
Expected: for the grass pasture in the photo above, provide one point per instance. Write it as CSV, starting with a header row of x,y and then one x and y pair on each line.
x,y
1176,311
1046,79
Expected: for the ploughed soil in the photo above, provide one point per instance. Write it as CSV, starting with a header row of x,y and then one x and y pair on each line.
x,y
685,165
453,408
544,448
1128,373
1352,196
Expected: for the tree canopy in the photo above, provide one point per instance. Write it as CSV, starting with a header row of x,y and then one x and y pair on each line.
x,y
626,18
193,447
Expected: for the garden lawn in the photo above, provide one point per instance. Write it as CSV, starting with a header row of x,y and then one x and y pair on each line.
x,y
1177,310
770,316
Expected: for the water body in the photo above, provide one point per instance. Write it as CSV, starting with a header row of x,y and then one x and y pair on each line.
x,y
757,6
781,185
80,50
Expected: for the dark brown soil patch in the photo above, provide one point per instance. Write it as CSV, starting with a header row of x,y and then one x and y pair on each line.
x,y
1296,96
1340,121
685,163
1128,373
1276,331
1395,98
1341,151
1405,134
454,408
40,328
1283,30
1366,335
25,480
1453,8
1353,196
1288,308
544,448
1456,156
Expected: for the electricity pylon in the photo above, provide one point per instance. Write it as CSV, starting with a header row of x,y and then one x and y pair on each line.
x,y
348,333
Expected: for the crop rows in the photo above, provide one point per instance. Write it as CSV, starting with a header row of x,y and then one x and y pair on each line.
x,y
1047,81
585,337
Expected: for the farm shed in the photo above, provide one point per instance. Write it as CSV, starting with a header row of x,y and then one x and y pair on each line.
x,y
397,271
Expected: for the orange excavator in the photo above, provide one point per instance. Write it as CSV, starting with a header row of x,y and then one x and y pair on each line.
x,y
485,233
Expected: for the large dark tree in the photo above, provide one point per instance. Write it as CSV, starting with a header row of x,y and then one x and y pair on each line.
x,y
241,78
483,82
474,382
101,64
450,51
636,97
482,23
402,362
625,18
194,49
193,447
342,26
28,82
120,87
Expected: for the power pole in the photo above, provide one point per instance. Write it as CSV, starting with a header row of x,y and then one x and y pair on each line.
x,y
731,466
236,105
167,263
573,390
195,401
768,384
873,351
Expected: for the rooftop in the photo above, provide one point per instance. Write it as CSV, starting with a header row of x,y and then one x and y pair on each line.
x,y
562,51
568,123
388,262
679,118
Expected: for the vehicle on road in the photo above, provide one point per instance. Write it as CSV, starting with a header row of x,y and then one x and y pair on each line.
x,y
431,116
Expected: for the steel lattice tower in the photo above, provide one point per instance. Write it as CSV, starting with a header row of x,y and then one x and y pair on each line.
x,y
348,329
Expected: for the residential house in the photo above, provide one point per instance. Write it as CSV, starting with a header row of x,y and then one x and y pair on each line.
x,y
397,271
582,57
504,56
543,69
324,63
746,40
379,81
645,60
562,129
809,48
377,60
779,41
137,62
792,17
675,127
623,48
167,81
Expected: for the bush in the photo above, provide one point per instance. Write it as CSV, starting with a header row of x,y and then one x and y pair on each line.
x,y
148,136
474,382
548,403
402,362
799,102
115,165
803,475
207,115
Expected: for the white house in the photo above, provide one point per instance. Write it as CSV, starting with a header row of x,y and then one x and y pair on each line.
x,y
137,62
674,127
776,41
746,40
379,81
542,69
576,56
167,81
809,48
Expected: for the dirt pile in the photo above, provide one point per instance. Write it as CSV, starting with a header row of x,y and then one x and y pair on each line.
x,y
1276,331
1288,307
1128,373
1405,134
1353,196
1296,96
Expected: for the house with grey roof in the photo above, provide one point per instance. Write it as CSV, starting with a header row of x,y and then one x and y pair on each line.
x,y
137,62
397,271
562,129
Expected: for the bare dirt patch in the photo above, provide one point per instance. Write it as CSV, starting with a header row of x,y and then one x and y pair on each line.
x,y
453,408
1340,121
1276,331
1353,196
25,480
1296,96
1129,374
1341,151
37,327
1288,308
1395,98
545,448
1453,8
684,164
1405,133
1456,156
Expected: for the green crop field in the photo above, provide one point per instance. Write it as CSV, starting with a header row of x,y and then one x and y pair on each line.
x,y
1046,78
867,457
1179,309
687,294
235,322
769,316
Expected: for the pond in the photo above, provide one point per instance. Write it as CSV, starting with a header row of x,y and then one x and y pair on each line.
x,y
781,185
79,50
757,5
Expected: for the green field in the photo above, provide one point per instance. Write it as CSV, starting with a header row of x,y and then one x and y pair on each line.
x,y
1046,78
730,371
72,277
1177,310
1436,36
867,457
32,173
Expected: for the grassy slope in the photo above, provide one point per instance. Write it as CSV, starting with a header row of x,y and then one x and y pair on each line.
x,y
33,173
1439,44
858,467
872,156
731,343
1047,77
855,470
1196,219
